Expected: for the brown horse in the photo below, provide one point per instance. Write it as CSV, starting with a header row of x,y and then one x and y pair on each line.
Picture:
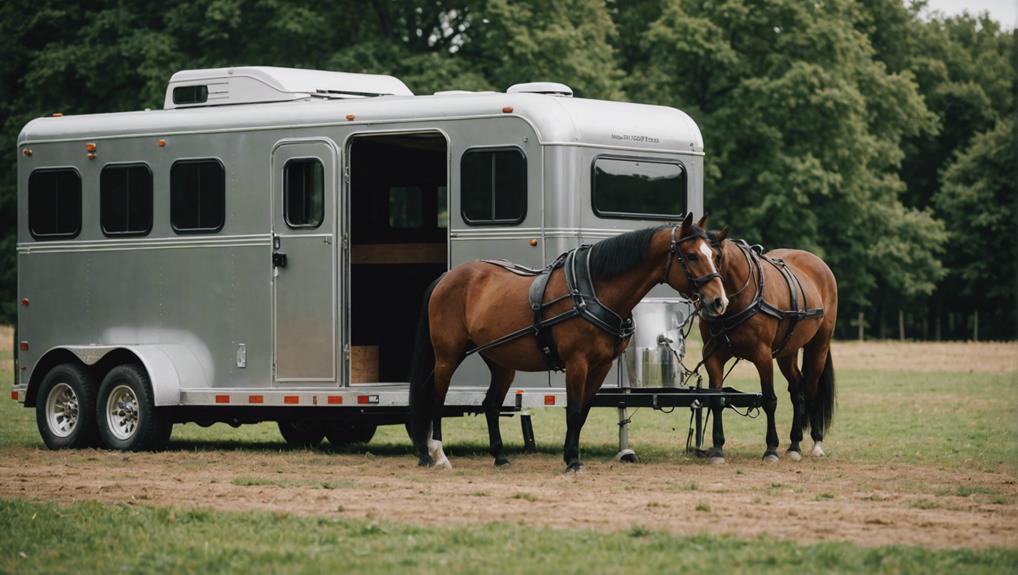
x,y
477,303
780,302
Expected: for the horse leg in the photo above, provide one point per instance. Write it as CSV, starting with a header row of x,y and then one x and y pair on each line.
x,y
765,367
715,365
576,379
443,375
818,381
790,369
501,379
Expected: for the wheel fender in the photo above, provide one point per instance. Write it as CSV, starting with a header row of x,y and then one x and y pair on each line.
x,y
169,366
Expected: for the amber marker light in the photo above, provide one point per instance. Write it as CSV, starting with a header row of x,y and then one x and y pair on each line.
x,y
90,147
162,143
26,152
350,117
57,115
533,243
507,109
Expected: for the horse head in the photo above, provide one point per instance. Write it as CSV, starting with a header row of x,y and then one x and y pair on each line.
x,y
696,275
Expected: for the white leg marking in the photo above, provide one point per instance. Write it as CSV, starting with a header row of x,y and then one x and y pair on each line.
x,y
818,449
438,455
794,455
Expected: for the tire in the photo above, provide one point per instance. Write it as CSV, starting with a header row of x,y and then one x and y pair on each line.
x,y
341,434
65,408
126,412
302,433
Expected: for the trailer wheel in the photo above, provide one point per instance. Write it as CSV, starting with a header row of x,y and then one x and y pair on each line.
x,y
302,433
127,415
341,434
65,410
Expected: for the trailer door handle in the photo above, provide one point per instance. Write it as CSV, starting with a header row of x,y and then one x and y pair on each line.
x,y
278,260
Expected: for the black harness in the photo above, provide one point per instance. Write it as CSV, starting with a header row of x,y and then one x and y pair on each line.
x,y
722,326
580,288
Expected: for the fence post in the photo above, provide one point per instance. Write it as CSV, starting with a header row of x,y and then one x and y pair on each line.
x,y
975,326
901,325
861,319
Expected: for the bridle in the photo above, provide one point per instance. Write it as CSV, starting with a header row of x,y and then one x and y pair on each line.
x,y
675,254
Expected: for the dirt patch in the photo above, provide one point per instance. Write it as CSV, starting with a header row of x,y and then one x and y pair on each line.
x,y
927,357
813,500
907,356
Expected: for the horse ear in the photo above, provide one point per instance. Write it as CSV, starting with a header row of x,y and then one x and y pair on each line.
x,y
688,221
703,221
723,234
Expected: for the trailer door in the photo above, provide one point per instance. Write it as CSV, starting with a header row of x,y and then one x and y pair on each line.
x,y
304,270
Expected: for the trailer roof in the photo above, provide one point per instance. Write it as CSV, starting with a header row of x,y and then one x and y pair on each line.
x,y
556,119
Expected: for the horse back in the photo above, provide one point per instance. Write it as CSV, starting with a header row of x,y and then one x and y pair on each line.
x,y
815,275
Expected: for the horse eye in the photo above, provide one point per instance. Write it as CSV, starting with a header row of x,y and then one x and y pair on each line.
x,y
691,256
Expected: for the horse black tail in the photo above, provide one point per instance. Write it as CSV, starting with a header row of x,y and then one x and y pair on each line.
x,y
422,376
821,409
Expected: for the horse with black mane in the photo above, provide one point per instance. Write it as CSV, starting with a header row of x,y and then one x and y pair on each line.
x,y
781,301
575,314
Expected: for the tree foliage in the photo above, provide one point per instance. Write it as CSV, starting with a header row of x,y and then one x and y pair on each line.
x,y
855,128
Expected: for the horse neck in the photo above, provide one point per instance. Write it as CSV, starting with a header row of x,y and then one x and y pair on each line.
x,y
735,272
623,292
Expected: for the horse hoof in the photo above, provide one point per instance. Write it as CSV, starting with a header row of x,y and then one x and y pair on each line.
x,y
818,451
794,455
575,469
716,460
770,457
502,462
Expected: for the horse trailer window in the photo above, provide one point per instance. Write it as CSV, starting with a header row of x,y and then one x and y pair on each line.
x,y
406,207
304,193
190,95
638,188
54,204
125,200
197,196
494,186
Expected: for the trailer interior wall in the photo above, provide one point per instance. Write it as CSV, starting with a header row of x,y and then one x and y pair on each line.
x,y
398,221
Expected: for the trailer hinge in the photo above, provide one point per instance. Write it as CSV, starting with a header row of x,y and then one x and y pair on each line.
x,y
346,351
346,240
346,174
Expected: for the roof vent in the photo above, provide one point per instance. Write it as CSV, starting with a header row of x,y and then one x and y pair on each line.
x,y
548,88
255,84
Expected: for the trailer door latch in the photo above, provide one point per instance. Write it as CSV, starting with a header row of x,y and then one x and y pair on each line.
x,y
278,260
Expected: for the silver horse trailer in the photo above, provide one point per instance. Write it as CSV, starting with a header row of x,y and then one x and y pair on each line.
x,y
257,250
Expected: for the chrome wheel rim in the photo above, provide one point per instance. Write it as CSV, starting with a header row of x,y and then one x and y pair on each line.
x,y
62,410
122,412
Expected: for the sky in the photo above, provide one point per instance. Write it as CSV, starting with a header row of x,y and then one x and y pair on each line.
x,y
1003,11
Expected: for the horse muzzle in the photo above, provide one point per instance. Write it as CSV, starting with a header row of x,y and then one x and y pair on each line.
x,y
715,307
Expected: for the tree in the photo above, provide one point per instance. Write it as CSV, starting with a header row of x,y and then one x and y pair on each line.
x,y
803,132
978,200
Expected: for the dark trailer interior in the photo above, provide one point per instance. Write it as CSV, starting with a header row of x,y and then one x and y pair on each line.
x,y
399,245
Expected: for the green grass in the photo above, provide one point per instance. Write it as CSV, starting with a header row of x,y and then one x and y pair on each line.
x,y
97,538
955,420
959,420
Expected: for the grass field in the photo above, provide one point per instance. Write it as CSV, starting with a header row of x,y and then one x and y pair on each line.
x,y
922,476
